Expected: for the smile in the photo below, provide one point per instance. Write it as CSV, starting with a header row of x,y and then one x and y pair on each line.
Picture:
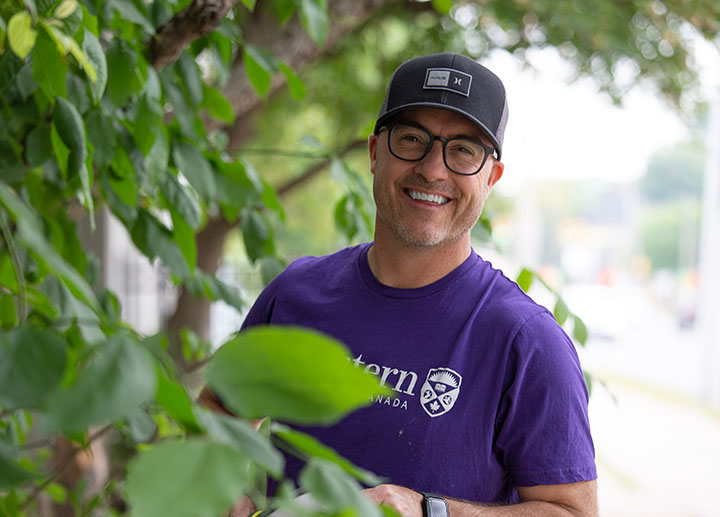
x,y
432,198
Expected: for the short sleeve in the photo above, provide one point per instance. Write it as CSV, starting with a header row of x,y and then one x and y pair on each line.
x,y
542,429
261,311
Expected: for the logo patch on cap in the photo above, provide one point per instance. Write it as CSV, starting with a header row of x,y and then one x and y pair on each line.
x,y
448,79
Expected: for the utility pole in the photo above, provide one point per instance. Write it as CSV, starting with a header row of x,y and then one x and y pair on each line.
x,y
709,263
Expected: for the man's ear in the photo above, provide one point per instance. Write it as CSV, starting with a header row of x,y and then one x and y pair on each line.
x,y
496,173
372,149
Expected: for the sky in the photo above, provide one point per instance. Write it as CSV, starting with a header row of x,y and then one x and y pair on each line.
x,y
562,130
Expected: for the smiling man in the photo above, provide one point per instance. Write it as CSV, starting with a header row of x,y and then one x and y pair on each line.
x,y
488,411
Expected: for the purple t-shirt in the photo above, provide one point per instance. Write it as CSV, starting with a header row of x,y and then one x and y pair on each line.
x,y
488,393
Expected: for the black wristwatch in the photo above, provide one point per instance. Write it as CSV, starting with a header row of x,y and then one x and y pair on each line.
x,y
434,506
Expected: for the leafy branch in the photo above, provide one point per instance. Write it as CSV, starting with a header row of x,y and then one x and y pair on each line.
x,y
64,465
17,267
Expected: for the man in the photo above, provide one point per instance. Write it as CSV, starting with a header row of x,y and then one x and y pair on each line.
x,y
489,405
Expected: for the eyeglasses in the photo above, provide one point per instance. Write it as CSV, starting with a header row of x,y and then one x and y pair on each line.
x,y
412,143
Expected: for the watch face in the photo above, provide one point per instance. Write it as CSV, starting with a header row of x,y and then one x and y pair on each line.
x,y
435,507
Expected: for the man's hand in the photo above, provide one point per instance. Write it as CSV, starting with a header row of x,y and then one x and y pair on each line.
x,y
568,500
406,502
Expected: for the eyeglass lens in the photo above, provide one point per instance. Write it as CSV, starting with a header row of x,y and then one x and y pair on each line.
x,y
413,143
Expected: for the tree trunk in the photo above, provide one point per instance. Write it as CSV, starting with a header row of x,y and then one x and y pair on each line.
x,y
292,45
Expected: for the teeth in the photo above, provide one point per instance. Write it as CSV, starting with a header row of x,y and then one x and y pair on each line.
x,y
434,198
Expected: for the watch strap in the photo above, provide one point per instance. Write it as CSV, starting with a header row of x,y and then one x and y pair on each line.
x,y
434,505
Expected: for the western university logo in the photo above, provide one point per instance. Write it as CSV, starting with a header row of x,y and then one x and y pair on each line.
x,y
448,79
440,391
437,396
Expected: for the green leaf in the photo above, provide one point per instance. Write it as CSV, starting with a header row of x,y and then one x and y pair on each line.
x,y
189,74
21,34
32,363
48,68
148,121
216,289
38,148
158,157
270,267
182,111
65,9
240,435
588,382
297,87
127,10
442,6
69,126
561,311
217,105
314,18
102,136
154,240
96,55
258,70
173,398
8,313
181,200
24,81
184,237
77,93
31,236
204,478
65,44
237,186
257,235
524,279
345,216
57,492
141,426
305,446
12,475
291,374
250,4
195,167
284,9
334,490
122,64
115,385
580,332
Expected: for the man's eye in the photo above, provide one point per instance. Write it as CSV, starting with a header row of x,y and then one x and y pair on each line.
x,y
463,149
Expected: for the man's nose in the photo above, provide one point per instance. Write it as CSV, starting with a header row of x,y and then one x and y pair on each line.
x,y
433,167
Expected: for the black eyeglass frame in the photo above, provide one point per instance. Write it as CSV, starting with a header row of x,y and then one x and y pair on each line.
x,y
489,150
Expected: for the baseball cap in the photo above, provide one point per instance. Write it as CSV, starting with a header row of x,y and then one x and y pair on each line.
x,y
452,82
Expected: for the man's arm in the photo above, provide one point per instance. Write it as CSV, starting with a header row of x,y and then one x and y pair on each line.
x,y
566,500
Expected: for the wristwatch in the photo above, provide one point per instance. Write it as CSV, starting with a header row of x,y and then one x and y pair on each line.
x,y
434,506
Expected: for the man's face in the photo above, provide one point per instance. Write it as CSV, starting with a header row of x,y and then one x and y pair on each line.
x,y
423,203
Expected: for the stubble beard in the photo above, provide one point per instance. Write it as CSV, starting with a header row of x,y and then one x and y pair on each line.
x,y
427,236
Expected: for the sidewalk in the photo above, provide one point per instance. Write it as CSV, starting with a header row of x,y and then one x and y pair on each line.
x,y
657,444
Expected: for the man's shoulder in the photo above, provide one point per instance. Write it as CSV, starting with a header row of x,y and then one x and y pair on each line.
x,y
505,295
322,269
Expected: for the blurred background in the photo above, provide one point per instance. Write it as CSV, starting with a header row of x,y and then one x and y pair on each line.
x,y
611,195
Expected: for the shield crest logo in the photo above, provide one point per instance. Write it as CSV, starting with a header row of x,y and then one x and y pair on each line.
x,y
440,391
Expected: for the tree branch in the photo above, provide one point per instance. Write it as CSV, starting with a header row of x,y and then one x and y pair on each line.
x,y
291,44
196,20
63,466
287,187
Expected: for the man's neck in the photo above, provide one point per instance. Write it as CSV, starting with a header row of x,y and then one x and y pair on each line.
x,y
397,265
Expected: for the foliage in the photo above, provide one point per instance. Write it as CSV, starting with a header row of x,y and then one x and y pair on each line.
x,y
672,191
670,234
674,173
88,123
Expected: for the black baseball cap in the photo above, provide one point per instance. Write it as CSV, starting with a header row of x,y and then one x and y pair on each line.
x,y
452,82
